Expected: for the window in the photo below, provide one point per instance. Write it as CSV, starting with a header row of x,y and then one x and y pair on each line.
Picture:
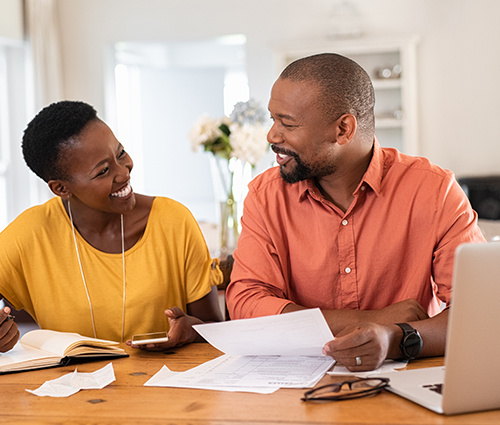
x,y
14,175
4,139
156,92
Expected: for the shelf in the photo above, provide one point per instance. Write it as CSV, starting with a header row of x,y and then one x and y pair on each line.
x,y
388,123
390,83
391,94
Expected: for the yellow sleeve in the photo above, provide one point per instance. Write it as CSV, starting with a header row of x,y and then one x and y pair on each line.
x,y
216,275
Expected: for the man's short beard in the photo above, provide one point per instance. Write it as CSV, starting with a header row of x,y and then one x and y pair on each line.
x,y
303,172
299,173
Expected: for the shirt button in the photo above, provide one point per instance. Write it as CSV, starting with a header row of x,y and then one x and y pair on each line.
x,y
347,270
344,222
363,187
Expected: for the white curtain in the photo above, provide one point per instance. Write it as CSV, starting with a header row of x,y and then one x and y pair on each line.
x,y
43,35
42,29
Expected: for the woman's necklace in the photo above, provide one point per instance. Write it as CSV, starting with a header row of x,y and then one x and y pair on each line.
x,y
83,276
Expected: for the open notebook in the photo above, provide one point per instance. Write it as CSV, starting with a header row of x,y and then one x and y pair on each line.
x,y
43,348
471,376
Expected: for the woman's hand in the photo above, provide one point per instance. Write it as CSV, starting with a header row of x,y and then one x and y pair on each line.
x,y
181,327
9,333
181,331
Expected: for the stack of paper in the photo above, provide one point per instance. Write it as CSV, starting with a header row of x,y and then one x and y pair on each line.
x,y
261,354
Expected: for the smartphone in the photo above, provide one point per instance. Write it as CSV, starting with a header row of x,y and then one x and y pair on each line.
x,y
152,338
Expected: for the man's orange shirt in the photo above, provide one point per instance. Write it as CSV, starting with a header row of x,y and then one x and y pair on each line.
x,y
396,241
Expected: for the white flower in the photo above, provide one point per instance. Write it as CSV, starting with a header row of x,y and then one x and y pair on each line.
x,y
205,130
249,112
249,142
243,135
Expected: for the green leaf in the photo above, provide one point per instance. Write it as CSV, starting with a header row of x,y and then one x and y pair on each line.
x,y
225,129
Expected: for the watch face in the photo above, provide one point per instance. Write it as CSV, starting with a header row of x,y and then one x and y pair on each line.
x,y
412,344
412,339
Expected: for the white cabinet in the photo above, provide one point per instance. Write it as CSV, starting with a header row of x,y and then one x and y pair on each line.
x,y
392,66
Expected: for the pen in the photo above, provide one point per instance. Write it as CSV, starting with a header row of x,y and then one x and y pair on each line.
x,y
10,317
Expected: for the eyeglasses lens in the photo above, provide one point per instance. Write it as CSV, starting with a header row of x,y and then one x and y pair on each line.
x,y
347,390
365,384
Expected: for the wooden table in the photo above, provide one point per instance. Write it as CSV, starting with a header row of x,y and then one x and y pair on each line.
x,y
127,401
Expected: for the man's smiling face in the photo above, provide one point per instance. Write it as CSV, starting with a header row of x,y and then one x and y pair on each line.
x,y
300,136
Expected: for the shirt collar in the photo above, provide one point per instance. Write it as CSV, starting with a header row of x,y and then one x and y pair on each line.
x,y
372,176
374,172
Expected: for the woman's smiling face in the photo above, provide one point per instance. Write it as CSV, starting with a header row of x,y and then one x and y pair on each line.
x,y
99,170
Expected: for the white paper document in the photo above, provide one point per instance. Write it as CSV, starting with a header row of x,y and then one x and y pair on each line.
x,y
71,383
260,374
262,355
301,333
387,366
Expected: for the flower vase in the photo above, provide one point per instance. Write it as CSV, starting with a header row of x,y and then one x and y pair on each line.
x,y
230,180
229,231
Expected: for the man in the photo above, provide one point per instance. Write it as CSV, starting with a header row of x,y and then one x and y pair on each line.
x,y
365,233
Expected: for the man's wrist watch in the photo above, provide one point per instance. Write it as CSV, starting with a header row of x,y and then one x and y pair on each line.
x,y
411,344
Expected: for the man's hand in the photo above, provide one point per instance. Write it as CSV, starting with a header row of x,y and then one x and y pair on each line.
x,y
9,334
404,311
369,342
181,331
375,342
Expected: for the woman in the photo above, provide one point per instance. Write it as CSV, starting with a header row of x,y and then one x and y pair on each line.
x,y
99,259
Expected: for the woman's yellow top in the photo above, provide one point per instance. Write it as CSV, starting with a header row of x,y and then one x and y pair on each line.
x,y
39,272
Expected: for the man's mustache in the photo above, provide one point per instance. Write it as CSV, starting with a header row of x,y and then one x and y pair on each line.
x,y
277,150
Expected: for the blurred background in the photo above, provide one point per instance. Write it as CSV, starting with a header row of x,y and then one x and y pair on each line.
x,y
151,68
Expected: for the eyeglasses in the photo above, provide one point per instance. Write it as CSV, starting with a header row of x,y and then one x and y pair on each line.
x,y
358,388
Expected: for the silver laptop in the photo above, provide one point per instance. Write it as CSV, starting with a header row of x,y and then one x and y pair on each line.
x,y
470,380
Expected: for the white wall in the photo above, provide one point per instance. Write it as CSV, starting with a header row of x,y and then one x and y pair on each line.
x,y
458,54
11,19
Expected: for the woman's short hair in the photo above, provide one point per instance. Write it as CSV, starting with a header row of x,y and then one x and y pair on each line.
x,y
53,128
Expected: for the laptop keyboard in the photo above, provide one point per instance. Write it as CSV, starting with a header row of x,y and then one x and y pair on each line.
x,y
438,388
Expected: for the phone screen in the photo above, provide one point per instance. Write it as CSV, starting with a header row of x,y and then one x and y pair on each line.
x,y
151,338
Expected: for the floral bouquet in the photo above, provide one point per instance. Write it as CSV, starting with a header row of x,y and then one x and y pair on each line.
x,y
242,135
236,140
